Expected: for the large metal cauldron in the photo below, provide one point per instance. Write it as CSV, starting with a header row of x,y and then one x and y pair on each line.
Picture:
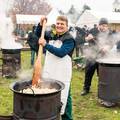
x,y
109,80
37,106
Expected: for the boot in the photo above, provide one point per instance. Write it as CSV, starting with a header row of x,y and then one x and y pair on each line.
x,y
84,92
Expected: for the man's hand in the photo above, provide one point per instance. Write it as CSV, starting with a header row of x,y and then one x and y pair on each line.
x,y
89,37
105,49
42,20
42,41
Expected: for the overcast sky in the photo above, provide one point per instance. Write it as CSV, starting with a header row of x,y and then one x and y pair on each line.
x,y
97,5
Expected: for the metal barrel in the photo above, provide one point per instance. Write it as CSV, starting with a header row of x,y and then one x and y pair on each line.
x,y
37,106
109,81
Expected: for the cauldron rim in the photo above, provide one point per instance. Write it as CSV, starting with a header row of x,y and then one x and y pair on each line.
x,y
6,117
12,85
102,61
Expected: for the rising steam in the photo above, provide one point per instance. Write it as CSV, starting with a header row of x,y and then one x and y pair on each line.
x,y
104,42
7,38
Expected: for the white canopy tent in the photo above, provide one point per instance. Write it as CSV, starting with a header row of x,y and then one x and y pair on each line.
x,y
27,19
87,18
52,16
90,17
35,19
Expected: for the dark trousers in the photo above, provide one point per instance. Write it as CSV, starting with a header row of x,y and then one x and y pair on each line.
x,y
68,111
90,68
33,53
79,50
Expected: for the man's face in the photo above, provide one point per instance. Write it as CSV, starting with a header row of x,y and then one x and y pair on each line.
x,y
61,27
103,27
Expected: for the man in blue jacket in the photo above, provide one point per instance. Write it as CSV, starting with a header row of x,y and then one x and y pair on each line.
x,y
59,48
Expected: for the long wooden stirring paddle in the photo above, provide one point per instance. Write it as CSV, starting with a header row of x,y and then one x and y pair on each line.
x,y
38,63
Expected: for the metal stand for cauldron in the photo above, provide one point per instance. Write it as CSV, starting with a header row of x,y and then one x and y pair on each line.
x,y
36,106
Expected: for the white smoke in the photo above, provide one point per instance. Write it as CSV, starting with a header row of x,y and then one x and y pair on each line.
x,y
25,74
110,43
105,43
7,39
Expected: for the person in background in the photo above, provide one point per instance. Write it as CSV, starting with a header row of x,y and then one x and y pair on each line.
x,y
80,40
58,64
32,41
91,64
94,30
51,31
85,28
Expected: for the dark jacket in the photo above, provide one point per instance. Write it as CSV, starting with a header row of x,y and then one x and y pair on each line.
x,y
66,38
33,41
80,36
94,32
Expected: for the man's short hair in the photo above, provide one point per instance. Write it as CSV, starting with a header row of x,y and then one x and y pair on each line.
x,y
63,18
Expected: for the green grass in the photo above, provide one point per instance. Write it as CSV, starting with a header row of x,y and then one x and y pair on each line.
x,y
84,107
87,107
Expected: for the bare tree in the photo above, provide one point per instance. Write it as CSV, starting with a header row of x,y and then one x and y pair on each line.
x,y
33,7
30,7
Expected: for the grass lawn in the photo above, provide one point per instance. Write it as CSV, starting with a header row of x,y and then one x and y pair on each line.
x,y
84,108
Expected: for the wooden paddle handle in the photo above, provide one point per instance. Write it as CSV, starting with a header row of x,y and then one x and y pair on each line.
x,y
43,29
38,64
40,51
